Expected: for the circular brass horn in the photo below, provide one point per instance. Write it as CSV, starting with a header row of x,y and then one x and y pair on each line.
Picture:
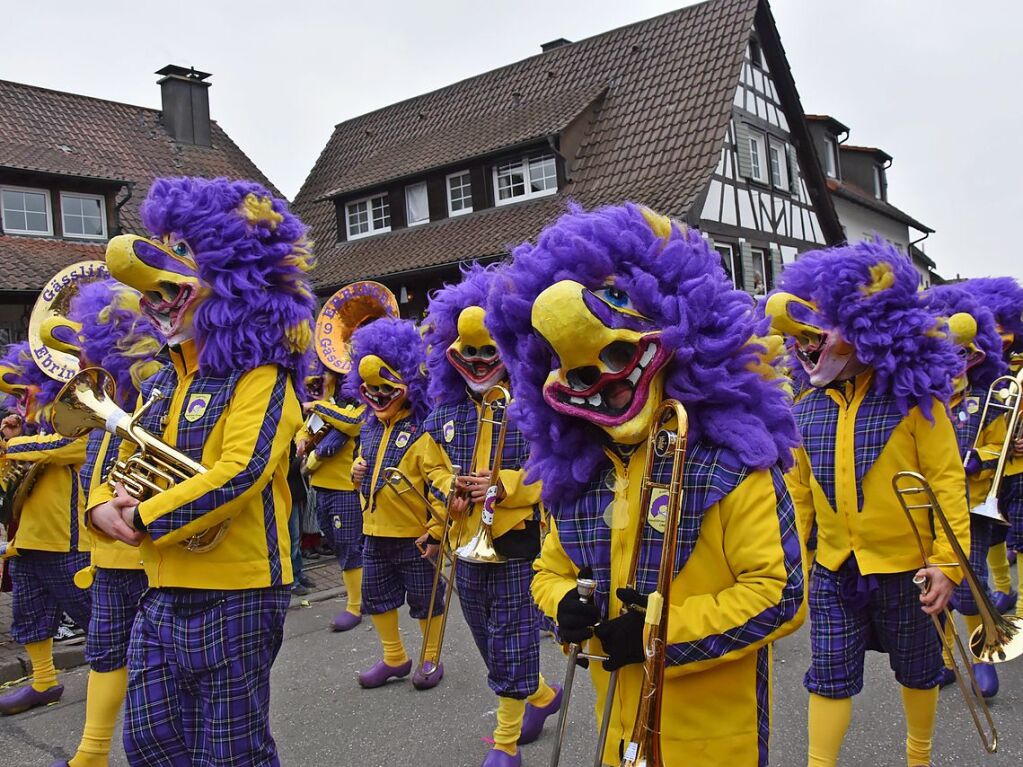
x,y
353,305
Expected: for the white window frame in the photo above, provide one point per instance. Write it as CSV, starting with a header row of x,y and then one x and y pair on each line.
x,y
369,208
878,182
49,211
830,158
734,274
524,162
409,188
759,170
782,149
102,215
761,259
447,192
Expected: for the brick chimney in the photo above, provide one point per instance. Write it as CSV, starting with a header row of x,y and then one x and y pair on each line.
x,y
186,104
553,44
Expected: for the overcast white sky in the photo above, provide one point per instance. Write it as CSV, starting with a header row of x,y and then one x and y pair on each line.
x,y
935,83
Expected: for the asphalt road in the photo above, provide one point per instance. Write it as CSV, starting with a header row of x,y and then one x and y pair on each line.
x,y
322,717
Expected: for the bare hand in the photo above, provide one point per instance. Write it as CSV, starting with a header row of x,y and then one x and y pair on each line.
x,y
114,518
11,426
475,486
427,550
938,592
359,469
458,504
301,446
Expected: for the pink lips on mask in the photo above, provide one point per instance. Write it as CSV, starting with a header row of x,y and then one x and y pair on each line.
x,y
824,360
168,314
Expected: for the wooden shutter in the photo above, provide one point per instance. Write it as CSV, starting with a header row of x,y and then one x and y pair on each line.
x,y
746,259
793,170
742,150
775,267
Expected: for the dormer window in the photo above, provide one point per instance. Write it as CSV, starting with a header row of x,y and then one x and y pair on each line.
x,y
524,179
459,193
756,55
370,215
830,158
83,215
25,210
878,182
417,205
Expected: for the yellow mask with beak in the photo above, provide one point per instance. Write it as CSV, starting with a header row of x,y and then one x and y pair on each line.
x,y
381,388
474,354
962,331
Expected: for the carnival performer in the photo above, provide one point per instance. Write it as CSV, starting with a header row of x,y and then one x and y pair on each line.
x,y
111,333
882,369
463,363
972,328
223,279
608,314
338,509
387,374
50,543
1004,297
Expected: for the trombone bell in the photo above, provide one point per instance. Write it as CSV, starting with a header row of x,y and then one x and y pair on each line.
x,y
989,510
481,548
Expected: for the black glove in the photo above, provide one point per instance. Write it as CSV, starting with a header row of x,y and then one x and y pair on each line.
x,y
632,598
576,618
622,638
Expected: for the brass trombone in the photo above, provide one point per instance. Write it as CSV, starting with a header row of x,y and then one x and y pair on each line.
x,y
494,411
87,402
402,486
1007,389
996,640
644,745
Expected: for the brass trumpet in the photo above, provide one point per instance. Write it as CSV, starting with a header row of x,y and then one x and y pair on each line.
x,y
493,410
644,746
87,402
996,640
1003,394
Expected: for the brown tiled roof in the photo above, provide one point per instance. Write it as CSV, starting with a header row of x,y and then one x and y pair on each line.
x,y
866,150
854,193
26,263
66,134
655,138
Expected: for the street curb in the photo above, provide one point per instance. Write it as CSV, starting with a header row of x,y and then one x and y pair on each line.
x,y
66,658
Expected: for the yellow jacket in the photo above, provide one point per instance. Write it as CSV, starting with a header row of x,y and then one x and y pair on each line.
x,y
716,701
53,516
401,443
243,427
334,471
878,532
106,552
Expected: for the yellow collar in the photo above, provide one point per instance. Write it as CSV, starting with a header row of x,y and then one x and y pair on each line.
x,y
185,358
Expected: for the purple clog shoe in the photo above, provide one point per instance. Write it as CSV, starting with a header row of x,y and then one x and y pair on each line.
x,y
498,758
379,673
28,697
428,676
533,721
345,621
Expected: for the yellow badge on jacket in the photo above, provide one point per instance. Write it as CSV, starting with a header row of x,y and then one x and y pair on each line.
x,y
449,431
196,407
402,439
657,514
972,405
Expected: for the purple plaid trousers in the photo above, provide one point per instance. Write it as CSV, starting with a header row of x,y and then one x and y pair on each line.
x,y
980,541
115,602
44,588
498,606
887,618
199,677
392,572
339,513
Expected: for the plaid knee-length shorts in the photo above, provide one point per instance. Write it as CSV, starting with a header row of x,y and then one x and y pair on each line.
x,y
890,621
44,588
980,542
340,516
393,571
498,607
115,602
199,677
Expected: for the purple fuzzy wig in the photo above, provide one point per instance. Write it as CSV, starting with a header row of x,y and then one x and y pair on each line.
x,y
398,343
678,283
44,390
259,306
887,324
446,384
115,335
1004,297
946,300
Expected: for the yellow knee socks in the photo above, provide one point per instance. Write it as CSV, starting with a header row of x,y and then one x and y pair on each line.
x,y
543,696
386,625
44,673
353,583
920,706
105,695
948,645
998,564
827,723
510,713
432,641
971,621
